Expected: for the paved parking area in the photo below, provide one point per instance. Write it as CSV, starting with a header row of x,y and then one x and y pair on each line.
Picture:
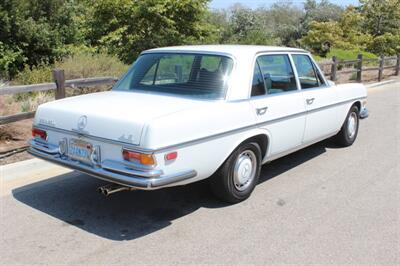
x,y
321,205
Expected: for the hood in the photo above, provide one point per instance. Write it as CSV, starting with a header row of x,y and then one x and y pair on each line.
x,y
113,115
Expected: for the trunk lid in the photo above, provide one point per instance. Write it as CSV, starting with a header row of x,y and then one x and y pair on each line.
x,y
112,115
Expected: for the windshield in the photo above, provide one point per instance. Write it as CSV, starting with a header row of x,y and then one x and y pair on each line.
x,y
194,75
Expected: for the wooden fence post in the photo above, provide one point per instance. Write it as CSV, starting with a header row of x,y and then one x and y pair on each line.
x,y
59,79
381,64
397,70
359,67
333,68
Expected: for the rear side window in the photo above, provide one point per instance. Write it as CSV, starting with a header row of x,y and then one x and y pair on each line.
x,y
308,75
277,73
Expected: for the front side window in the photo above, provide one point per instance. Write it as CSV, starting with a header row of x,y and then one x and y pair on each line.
x,y
277,73
308,75
194,75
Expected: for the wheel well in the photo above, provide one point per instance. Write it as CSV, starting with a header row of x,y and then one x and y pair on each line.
x,y
358,104
261,140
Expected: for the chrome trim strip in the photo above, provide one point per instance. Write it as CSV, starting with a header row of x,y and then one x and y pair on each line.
x,y
334,104
198,140
131,181
82,134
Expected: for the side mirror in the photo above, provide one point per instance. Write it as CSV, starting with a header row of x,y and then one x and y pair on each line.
x,y
331,83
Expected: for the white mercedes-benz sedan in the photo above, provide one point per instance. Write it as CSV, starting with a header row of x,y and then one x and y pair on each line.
x,y
187,113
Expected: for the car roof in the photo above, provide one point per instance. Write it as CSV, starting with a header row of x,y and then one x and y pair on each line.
x,y
233,50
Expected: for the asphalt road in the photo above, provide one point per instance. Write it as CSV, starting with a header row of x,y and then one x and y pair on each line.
x,y
321,205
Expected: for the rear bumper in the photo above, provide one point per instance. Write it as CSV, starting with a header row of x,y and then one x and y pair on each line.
x,y
112,171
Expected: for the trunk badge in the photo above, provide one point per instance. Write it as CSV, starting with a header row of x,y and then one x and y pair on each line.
x,y
82,122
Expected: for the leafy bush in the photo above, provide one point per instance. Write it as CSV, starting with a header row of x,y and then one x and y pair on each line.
x,y
386,44
33,75
322,36
9,61
80,65
84,65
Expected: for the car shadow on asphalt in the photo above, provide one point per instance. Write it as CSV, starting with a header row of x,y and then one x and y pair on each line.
x,y
72,198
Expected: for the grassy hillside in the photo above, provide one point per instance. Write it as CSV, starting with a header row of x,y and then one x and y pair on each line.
x,y
345,55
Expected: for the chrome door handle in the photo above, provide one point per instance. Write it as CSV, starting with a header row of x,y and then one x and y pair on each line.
x,y
261,111
310,101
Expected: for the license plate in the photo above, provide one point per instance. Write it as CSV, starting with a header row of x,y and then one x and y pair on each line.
x,y
80,150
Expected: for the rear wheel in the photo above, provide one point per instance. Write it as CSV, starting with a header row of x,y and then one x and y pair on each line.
x,y
236,178
348,133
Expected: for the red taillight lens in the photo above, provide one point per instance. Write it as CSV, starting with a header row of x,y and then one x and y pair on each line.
x,y
38,133
145,159
171,156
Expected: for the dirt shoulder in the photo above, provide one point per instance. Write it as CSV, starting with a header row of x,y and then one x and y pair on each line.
x,y
14,140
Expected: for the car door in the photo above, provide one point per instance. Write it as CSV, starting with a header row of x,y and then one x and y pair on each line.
x,y
322,116
278,103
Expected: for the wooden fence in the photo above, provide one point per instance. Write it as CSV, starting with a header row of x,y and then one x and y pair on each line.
x,y
58,85
358,66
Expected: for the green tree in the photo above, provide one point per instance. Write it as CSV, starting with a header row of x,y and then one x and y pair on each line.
x,y
286,22
352,24
381,16
241,25
322,11
127,27
38,31
382,21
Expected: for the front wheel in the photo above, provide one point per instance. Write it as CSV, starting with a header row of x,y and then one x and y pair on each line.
x,y
348,133
236,178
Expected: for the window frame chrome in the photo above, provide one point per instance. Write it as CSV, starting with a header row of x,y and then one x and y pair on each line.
x,y
298,88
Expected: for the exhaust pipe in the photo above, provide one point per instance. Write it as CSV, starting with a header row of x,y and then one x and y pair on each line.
x,y
109,189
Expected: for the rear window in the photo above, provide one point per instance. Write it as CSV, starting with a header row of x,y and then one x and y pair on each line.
x,y
195,75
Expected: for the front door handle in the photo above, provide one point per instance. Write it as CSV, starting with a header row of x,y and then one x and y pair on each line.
x,y
310,101
261,111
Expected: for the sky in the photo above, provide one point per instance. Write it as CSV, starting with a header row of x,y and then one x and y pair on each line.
x,y
216,4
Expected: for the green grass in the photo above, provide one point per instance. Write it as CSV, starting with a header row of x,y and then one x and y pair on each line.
x,y
342,54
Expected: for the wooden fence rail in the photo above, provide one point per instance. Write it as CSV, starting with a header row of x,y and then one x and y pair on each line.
x,y
58,85
358,66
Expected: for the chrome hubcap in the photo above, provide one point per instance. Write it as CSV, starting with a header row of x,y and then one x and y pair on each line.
x,y
352,125
245,170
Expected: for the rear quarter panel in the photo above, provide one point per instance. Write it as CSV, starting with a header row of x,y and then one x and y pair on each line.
x,y
349,93
203,138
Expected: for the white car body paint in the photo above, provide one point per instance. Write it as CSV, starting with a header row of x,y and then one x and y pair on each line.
x,y
203,132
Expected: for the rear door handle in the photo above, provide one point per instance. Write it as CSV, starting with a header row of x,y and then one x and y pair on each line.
x,y
262,110
310,101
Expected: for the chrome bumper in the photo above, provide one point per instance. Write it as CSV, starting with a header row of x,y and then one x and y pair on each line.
x,y
364,113
113,171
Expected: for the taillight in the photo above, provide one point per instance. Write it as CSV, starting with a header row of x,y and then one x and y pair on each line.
x,y
38,133
142,158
